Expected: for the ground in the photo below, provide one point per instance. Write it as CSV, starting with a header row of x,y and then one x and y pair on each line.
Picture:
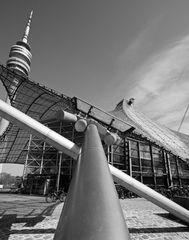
x,y
30,217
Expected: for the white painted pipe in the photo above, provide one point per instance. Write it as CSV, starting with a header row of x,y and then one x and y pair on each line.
x,y
47,135
71,149
3,122
62,115
148,193
108,137
81,125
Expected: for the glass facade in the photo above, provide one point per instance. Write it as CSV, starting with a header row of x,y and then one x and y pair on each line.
x,y
148,164
139,158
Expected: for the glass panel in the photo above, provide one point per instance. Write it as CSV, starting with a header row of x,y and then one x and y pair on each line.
x,y
145,151
135,164
134,153
146,161
173,165
148,181
133,145
183,169
119,159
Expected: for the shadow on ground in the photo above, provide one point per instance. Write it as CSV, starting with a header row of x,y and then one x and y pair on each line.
x,y
171,217
159,230
29,220
163,229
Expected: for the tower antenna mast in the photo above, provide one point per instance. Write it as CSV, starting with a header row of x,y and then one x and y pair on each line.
x,y
27,30
183,118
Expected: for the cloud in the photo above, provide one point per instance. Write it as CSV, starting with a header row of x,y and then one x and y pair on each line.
x,y
138,50
161,84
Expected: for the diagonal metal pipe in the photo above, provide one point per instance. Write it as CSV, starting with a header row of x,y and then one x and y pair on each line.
x,y
39,130
71,149
143,191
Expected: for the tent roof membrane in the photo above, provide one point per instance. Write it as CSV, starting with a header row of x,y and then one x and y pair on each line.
x,y
172,141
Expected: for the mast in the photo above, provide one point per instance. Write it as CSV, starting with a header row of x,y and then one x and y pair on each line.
x,y
27,30
183,118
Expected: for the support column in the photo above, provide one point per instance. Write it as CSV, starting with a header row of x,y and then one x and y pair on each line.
x,y
108,154
125,154
27,156
71,160
92,209
166,168
42,159
153,168
112,154
140,163
130,160
169,170
59,171
179,179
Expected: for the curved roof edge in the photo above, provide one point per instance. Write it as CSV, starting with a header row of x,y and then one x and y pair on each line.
x,y
154,132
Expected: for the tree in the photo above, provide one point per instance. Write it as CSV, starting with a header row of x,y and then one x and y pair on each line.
x,y
6,179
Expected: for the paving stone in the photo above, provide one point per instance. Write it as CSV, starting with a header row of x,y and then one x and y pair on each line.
x,y
31,218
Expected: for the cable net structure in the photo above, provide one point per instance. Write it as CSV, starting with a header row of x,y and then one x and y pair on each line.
x,y
37,102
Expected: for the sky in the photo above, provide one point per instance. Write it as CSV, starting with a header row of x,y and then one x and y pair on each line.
x,y
105,50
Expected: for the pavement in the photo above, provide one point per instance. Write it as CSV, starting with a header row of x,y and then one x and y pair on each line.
x,y
25,217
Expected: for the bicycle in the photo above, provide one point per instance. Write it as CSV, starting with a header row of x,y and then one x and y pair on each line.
x,y
54,196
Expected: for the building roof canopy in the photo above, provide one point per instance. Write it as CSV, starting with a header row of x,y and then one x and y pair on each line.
x,y
42,103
